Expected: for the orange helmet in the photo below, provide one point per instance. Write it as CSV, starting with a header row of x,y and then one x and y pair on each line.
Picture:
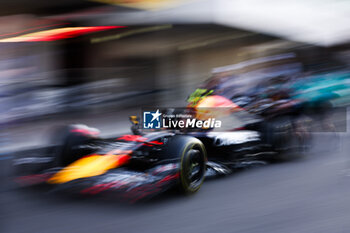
x,y
214,106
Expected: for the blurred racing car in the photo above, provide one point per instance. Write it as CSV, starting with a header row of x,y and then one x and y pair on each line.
x,y
280,95
143,164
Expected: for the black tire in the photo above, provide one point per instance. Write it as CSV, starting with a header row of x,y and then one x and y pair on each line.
x,y
192,158
67,140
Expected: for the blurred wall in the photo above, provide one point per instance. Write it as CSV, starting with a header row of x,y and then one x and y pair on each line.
x,y
158,68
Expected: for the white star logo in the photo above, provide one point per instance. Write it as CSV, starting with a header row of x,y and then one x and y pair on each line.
x,y
156,115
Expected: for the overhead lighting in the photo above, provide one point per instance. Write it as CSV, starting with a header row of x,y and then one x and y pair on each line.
x,y
57,34
145,4
130,33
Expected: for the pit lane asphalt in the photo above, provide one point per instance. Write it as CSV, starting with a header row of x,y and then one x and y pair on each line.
x,y
306,195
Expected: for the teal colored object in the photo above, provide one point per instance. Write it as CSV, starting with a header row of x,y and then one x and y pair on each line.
x,y
322,88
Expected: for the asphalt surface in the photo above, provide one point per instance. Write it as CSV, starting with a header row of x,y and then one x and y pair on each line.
x,y
305,195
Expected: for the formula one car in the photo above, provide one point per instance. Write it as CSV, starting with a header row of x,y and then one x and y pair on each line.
x,y
280,95
144,164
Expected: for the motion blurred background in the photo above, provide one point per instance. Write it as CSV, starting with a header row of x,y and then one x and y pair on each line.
x,y
97,62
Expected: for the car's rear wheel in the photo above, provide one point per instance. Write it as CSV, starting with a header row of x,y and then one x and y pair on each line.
x,y
191,154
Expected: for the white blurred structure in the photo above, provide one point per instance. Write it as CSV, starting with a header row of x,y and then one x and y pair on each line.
x,y
319,22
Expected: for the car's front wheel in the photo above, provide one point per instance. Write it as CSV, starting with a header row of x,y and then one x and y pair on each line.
x,y
68,141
